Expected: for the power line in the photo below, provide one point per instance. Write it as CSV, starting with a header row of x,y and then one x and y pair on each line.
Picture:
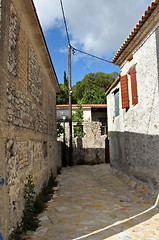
x,y
75,49
83,62
63,13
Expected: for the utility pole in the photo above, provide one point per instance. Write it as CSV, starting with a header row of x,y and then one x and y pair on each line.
x,y
70,105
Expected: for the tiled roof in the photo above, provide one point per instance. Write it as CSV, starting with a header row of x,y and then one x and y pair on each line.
x,y
83,105
136,29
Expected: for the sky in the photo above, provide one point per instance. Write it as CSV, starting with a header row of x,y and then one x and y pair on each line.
x,y
98,27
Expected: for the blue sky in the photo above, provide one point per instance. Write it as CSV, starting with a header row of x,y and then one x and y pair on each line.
x,y
98,27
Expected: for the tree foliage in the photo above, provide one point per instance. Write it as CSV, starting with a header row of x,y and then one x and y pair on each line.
x,y
78,115
62,97
90,90
95,96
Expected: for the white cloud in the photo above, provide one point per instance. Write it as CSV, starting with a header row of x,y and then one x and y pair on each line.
x,y
49,13
96,26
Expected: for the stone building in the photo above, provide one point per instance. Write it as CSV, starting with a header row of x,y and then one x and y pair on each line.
x,y
133,102
28,87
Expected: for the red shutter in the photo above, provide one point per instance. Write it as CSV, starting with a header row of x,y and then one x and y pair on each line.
x,y
134,86
124,91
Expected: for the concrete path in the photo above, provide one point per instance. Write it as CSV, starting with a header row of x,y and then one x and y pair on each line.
x,y
92,204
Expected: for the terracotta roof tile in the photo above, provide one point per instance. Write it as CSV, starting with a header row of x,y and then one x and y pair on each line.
x,y
84,105
136,29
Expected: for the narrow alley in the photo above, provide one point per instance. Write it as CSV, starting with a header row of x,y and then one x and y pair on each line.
x,y
91,203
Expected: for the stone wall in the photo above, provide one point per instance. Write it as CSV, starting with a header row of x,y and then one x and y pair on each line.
x,y
21,111
89,149
23,48
28,139
157,49
0,17
134,133
12,42
34,76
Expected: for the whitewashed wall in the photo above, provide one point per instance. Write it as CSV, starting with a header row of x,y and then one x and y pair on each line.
x,y
134,134
86,113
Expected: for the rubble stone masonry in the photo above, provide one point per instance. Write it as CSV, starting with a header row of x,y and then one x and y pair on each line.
x,y
12,43
23,113
34,76
28,139
0,16
23,57
90,148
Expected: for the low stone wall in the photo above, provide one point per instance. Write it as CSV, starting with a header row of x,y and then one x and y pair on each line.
x,y
89,149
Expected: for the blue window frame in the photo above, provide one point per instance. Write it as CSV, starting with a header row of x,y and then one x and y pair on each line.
x,y
116,96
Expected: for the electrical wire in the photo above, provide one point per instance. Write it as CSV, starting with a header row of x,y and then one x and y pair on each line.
x,y
75,49
63,13
83,63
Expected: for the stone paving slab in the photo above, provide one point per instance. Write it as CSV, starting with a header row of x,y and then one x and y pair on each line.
x,y
92,203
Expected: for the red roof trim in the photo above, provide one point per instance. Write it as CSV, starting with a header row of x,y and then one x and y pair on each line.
x,y
84,105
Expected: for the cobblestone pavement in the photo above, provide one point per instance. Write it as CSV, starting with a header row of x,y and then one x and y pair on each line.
x,y
92,204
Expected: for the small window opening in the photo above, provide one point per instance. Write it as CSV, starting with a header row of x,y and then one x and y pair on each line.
x,y
45,149
130,58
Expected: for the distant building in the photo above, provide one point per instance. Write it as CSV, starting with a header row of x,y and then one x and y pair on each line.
x,y
91,112
133,102
90,147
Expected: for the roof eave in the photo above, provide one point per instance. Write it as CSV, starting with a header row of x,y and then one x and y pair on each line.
x,y
114,84
133,33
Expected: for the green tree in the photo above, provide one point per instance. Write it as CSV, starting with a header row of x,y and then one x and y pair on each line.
x,y
62,97
92,88
65,80
78,115
95,96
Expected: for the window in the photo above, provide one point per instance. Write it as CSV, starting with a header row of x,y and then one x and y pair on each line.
x,y
124,91
130,58
133,86
45,149
116,96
